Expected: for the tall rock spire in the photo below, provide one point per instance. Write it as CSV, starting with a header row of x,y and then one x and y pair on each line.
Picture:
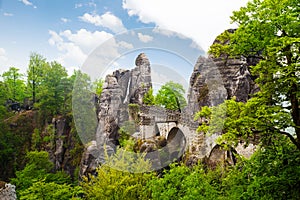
x,y
140,79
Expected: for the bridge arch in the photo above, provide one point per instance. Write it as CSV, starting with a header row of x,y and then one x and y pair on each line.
x,y
176,141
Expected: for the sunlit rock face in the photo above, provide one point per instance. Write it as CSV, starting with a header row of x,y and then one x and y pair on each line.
x,y
7,191
140,81
217,79
120,89
213,81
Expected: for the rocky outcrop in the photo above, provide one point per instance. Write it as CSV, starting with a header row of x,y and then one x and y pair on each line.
x,y
88,163
213,81
120,89
236,77
206,86
64,150
140,79
57,137
7,191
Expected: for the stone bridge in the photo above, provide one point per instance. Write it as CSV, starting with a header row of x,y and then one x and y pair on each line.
x,y
180,131
176,127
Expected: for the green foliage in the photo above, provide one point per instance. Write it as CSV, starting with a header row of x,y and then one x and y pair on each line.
x,y
98,86
126,130
271,173
36,68
49,191
149,98
119,178
15,87
84,111
37,170
51,91
171,96
7,150
181,182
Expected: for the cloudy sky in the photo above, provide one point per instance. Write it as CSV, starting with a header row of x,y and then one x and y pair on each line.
x,y
69,30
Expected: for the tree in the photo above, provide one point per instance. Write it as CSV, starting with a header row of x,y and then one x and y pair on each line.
x,y
98,86
120,177
49,191
35,72
83,104
269,31
171,96
52,90
38,168
15,86
149,98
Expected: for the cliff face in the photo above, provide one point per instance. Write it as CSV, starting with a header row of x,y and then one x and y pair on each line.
x,y
213,81
121,88
56,137
217,79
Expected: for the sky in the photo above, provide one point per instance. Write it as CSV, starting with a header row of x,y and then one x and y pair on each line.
x,y
72,31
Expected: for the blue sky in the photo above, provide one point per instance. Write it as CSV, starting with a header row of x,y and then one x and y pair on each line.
x,y
70,30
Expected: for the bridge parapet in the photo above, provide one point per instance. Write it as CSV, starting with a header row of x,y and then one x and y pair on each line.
x,y
159,114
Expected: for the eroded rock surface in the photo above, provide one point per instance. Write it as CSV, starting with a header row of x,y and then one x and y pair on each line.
x,y
213,81
8,192
121,88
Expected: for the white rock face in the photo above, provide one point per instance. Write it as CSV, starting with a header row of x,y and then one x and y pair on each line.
x,y
8,193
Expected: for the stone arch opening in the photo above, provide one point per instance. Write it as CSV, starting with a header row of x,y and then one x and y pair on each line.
x,y
219,155
176,143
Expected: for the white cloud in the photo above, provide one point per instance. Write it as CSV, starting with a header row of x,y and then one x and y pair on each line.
x,y
107,20
145,38
88,4
78,5
27,3
64,20
201,20
74,47
8,14
125,45
86,40
70,54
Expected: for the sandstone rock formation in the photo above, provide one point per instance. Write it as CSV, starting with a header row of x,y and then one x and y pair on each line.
x,y
140,79
120,89
213,81
8,192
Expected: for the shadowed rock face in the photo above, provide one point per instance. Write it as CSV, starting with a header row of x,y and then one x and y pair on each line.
x,y
236,77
